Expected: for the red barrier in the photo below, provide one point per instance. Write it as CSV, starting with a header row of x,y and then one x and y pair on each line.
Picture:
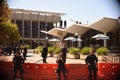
x,y
106,71
110,71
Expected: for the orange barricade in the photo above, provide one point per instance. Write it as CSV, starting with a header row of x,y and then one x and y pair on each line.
x,y
31,71
109,71
106,71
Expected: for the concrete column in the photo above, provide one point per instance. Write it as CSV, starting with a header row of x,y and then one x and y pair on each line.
x,y
30,28
105,41
23,24
38,28
79,42
30,25
14,17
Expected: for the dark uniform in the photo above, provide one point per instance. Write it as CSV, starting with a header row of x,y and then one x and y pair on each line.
x,y
64,51
44,54
25,52
18,61
91,60
61,68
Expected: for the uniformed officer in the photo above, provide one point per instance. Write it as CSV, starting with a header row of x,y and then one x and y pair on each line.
x,y
44,54
64,52
18,60
61,67
91,60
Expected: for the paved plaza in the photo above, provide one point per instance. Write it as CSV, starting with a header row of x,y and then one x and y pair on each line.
x,y
36,58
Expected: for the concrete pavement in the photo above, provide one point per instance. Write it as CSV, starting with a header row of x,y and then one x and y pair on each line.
x,y
36,58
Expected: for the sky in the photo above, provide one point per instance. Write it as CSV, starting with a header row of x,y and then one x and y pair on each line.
x,y
86,11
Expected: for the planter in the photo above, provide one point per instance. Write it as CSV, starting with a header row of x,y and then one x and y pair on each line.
x,y
51,55
105,58
77,56
83,56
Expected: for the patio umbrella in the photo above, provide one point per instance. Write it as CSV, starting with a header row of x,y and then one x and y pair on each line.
x,y
101,37
54,40
78,39
69,38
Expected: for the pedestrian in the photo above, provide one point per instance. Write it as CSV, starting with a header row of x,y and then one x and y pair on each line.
x,y
64,52
91,60
25,52
44,54
61,67
17,65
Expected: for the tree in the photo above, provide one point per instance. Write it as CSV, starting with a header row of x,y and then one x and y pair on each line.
x,y
5,12
8,31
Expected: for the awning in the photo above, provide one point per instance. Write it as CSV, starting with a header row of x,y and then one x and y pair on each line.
x,y
80,29
58,32
106,25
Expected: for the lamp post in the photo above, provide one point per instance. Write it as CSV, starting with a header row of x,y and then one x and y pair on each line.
x,y
46,41
76,36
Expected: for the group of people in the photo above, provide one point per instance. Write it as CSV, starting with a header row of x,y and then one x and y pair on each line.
x,y
91,60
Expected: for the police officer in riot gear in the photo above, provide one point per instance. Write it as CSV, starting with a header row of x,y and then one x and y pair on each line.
x,y
91,60
18,60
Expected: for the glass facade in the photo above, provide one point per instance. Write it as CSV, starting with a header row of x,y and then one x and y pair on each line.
x,y
26,29
19,24
34,29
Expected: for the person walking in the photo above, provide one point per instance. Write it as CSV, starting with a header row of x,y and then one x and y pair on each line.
x,y
64,52
44,54
25,52
61,67
17,65
91,60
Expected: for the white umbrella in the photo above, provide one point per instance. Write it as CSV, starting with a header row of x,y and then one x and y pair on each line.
x,y
69,38
78,39
54,40
100,37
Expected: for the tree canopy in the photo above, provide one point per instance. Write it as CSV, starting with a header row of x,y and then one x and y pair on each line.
x,y
8,31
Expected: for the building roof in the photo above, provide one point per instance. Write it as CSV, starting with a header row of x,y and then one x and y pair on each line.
x,y
106,25
58,32
80,29
37,12
103,25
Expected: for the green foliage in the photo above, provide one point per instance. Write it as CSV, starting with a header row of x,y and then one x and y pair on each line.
x,y
39,49
57,50
5,11
9,32
50,50
102,51
85,50
74,50
28,46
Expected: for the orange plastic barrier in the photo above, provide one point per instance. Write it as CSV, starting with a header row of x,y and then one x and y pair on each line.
x,y
109,71
106,71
